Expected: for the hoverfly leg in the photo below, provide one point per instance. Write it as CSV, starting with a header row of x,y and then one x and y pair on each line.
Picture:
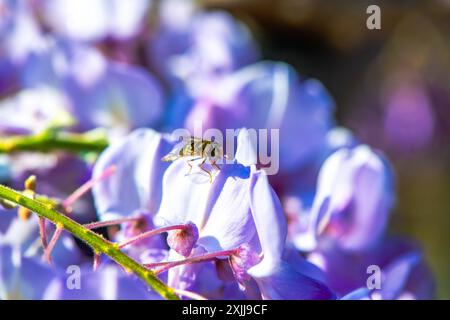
x,y
190,165
190,168
215,165
209,173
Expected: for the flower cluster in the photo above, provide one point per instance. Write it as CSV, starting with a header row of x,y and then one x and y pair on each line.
x,y
133,71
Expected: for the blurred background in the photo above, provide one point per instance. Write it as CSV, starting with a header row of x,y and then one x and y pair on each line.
x,y
391,87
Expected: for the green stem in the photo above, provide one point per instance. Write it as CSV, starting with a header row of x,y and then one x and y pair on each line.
x,y
55,140
98,243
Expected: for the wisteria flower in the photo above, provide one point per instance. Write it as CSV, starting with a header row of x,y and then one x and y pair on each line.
x,y
353,198
100,92
404,273
21,40
18,280
267,95
136,184
23,236
198,46
42,108
250,229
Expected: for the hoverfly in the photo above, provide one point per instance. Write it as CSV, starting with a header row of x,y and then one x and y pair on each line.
x,y
196,149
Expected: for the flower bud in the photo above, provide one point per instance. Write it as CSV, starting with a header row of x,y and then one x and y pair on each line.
x,y
183,240
241,261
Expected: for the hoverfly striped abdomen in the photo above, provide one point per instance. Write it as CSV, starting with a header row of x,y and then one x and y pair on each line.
x,y
196,149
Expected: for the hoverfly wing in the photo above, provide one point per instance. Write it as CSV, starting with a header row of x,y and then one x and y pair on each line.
x,y
174,154
170,157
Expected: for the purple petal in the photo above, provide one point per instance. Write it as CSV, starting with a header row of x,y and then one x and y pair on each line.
x,y
184,276
296,261
39,108
24,235
199,46
246,153
101,92
268,95
285,283
270,223
353,199
229,44
297,109
172,38
6,217
138,175
183,200
20,234
18,276
201,278
358,294
220,210
108,283
230,222
125,97
397,274
404,273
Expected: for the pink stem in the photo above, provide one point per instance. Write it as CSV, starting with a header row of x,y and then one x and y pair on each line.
x,y
96,261
151,233
196,259
53,242
157,264
42,232
77,194
99,224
